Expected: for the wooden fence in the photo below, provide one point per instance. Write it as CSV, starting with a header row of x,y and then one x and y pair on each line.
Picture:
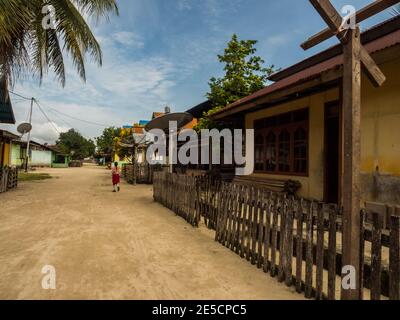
x,y
178,193
75,164
139,173
8,179
296,240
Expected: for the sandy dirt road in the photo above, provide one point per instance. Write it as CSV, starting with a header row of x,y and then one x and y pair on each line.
x,y
114,246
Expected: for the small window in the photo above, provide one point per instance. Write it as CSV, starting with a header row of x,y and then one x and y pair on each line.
x,y
281,147
271,152
300,151
284,151
259,153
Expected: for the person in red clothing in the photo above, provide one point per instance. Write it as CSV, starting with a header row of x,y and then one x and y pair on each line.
x,y
116,177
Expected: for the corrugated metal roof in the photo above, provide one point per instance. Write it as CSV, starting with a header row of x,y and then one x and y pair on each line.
x,y
157,114
8,134
199,110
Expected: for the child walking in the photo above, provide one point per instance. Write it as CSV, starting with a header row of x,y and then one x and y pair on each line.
x,y
116,177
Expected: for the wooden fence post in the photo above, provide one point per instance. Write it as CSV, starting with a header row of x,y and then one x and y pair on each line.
x,y
394,257
376,256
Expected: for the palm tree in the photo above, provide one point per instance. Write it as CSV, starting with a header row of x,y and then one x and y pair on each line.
x,y
25,46
396,10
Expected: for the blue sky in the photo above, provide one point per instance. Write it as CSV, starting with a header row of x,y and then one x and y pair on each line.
x,y
163,52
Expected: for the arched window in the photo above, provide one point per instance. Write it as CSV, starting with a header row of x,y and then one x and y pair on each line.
x,y
281,145
300,154
271,152
284,151
259,153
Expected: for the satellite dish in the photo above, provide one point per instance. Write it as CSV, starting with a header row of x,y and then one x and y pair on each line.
x,y
24,128
182,118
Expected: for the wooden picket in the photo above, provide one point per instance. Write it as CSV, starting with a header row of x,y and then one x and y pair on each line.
x,y
142,173
394,257
178,193
295,240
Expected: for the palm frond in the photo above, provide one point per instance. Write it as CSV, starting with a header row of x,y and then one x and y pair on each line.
x,y
26,46
396,11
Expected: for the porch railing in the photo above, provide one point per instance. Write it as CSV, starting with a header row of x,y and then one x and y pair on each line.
x,y
8,179
296,240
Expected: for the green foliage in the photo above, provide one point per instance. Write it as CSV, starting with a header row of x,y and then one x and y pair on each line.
x,y
124,136
73,143
244,75
26,46
105,143
206,122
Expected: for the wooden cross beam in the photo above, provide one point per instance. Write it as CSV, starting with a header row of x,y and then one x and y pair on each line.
x,y
354,56
334,21
361,15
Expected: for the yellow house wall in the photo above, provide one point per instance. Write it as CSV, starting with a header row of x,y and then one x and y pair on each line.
x,y
381,122
6,160
311,185
380,134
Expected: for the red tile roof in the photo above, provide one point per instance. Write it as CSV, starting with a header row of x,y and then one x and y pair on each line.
x,y
157,114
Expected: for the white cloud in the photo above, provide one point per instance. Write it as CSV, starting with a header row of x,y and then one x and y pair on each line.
x,y
46,132
130,85
130,39
184,5
278,40
121,92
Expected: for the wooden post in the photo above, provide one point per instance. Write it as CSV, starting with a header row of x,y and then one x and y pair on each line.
x,y
352,155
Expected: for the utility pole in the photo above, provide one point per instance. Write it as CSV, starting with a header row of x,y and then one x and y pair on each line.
x,y
135,164
29,136
355,55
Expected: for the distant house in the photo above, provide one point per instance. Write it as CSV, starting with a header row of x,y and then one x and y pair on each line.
x,y
6,144
143,123
59,159
139,133
18,154
41,155
8,175
157,115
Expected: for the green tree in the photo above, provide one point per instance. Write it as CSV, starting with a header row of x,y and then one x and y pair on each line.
x,y
244,75
124,136
105,143
25,46
73,143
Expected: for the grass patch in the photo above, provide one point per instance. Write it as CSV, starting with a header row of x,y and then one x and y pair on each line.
x,y
23,176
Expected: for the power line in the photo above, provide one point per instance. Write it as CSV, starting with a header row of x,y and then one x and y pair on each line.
x,y
18,95
52,111
61,119
66,115
77,119
68,124
48,119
